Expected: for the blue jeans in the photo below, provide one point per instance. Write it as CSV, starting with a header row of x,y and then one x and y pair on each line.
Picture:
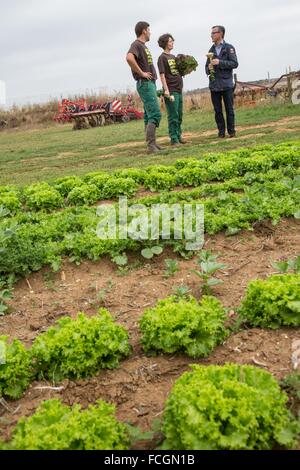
x,y
227,96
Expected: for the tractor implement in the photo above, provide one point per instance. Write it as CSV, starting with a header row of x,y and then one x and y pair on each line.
x,y
96,114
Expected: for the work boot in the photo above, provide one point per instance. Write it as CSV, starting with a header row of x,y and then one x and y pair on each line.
x,y
156,145
150,138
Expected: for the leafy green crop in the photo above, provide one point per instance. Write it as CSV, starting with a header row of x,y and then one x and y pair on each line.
x,y
290,265
115,187
10,201
42,196
99,179
65,185
291,382
260,183
16,370
259,164
81,347
231,407
55,426
186,64
273,302
5,294
150,252
84,194
208,266
156,181
180,325
171,267
137,174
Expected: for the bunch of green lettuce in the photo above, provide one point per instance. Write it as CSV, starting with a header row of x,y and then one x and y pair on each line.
x,y
231,407
81,347
180,325
137,174
65,184
157,181
42,196
10,199
84,194
186,64
273,302
55,426
115,187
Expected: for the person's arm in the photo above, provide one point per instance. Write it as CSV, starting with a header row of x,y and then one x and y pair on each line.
x,y
135,67
164,84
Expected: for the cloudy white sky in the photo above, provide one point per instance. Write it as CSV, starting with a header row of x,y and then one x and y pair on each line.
x,y
49,47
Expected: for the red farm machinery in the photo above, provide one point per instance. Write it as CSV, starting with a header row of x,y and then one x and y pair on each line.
x,y
96,114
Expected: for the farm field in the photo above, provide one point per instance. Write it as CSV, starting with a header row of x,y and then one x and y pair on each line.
x,y
46,153
53,265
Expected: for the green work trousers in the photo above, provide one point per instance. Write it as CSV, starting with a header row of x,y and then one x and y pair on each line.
x,y
147,91
175,111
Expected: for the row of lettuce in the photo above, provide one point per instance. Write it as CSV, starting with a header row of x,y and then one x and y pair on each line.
x,y
229,407
241,165
31,240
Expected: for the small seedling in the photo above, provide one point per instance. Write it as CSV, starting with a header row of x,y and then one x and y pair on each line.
x,y
120,260
292,383
149,253
6,288
171,267
5,294
181,291
208,265
101,294
290,265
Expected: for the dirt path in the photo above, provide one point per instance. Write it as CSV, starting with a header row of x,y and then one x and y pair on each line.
x,y
141,385
281,124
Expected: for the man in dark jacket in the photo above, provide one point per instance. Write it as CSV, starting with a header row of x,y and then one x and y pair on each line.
x,y
219,68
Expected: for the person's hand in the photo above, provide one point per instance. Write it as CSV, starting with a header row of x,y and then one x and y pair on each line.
x,y
167,94
147,75
215,62
210,67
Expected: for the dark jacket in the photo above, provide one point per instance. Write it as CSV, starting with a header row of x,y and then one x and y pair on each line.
x,y
223,71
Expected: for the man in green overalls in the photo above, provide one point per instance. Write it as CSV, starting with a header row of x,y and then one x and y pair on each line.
x,y
141,63
172,83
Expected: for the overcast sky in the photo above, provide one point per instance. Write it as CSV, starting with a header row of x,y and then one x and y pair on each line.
x,y
50,47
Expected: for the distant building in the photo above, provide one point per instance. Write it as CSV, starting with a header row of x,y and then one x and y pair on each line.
x,y
2,93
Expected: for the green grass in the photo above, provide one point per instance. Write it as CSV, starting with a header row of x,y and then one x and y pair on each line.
x,y
27,156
